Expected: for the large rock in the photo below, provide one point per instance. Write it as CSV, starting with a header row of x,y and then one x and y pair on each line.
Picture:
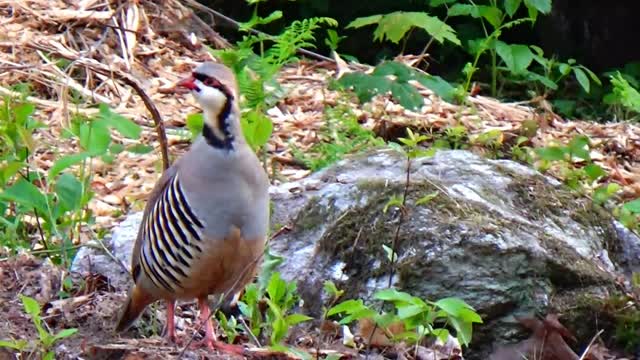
x,y
501,236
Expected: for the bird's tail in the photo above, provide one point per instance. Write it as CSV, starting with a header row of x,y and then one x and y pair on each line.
x,y
136,303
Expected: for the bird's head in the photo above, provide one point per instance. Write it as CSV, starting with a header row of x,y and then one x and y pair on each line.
x,y
213,85
215,88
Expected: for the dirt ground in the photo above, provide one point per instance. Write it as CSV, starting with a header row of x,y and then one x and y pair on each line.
x,y
93,310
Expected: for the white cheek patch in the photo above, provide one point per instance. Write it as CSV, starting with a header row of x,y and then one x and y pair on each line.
x,y
212,101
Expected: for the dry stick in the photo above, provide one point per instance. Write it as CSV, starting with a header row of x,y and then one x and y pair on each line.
x,y
199,6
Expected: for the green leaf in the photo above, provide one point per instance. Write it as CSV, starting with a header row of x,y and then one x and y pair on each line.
x,y
491,13
26,194
427,198
276,287
394,26
551,153
394,295
633,206
66,162
406,312
364,21
543,6
511,6
140,149
579,147
124,126
69,190
605,192
594,171
393,201
407,95
391,255
49,356
347,306
22,112
516,57
194,123
262,131
331,289
14,344
463,330
294,319
439,86
452,306
31,306
64,334
95,138
542,79
582,78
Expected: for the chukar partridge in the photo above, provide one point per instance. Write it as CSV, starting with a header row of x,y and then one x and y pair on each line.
x,y
205,224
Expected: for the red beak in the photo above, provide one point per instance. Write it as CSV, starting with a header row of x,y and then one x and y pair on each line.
x,y
189,83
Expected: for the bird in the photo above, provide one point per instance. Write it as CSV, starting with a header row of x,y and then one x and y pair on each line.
x,y
205,224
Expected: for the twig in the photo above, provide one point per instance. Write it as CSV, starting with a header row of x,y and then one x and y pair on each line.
x,y
586,351
100,68
199,6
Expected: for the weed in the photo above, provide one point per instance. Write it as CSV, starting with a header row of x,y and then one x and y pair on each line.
x,y
45,340
340,135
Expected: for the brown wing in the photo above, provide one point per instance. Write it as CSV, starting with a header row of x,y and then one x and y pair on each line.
x,y
151,201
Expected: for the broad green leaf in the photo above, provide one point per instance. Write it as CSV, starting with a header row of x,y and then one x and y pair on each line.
x,y
140,149
402,72
463,330
365,86
26,194
395,295
294,319
262,130
407,95
439,86
194,123
364,21
31,306
551,153
605,192
115,149
579,147
331,289
276,287
347,306
491,13
49,356
633,206
582,78
69,191
516,57
394,26
543,6
452,306
435,3
594,171
95,137
22,112
124,126
511,6
542,79
65,162
8,170
442,334
406,312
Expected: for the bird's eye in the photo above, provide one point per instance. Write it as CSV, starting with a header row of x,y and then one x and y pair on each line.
x,y
209,81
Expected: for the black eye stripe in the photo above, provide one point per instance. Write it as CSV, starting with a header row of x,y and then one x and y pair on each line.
x,y
201,77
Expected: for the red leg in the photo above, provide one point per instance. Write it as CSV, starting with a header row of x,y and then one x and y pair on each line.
x,y
210,336
171,325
